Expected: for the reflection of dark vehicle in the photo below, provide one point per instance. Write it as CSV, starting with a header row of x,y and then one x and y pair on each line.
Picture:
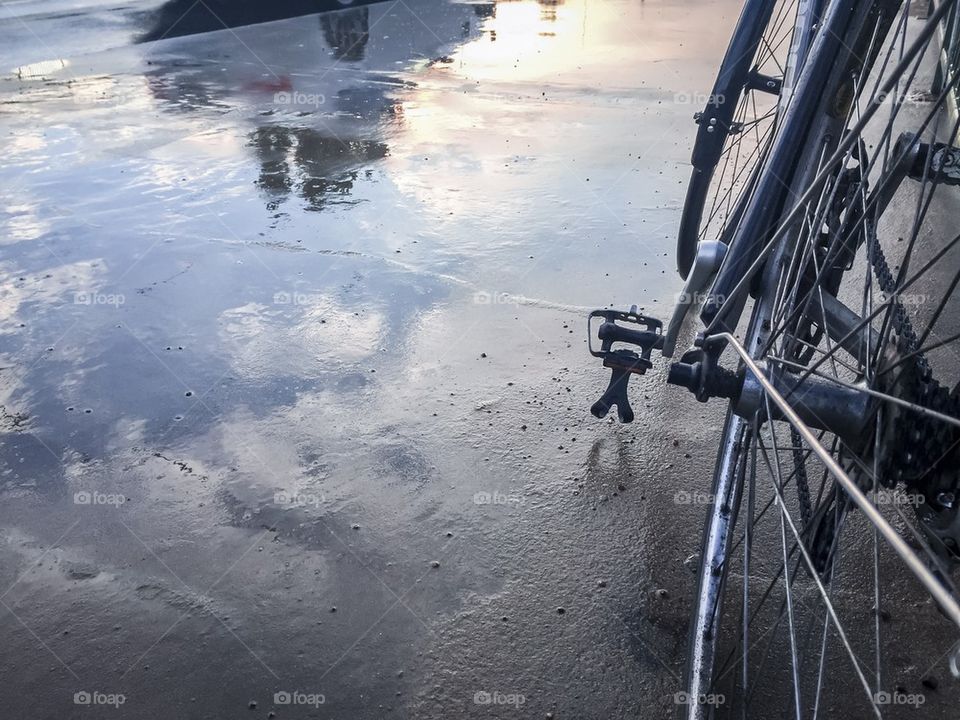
x,y
327,64
187,17
322,88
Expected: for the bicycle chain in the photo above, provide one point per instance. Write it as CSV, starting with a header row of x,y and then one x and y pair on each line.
x,y
803,484
902,324
925,440
920,453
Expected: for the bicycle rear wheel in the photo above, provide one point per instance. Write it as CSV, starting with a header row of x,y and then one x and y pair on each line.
x,y
804,609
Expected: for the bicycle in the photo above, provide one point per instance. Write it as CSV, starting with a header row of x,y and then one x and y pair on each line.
x,y
813,239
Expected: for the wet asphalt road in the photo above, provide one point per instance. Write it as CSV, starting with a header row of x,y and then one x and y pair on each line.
x,y
292,359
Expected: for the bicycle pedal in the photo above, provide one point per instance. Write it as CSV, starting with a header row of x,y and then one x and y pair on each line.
x,y
623,362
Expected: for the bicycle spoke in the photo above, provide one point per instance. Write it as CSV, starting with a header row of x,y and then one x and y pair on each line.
x,y
794,663
826,598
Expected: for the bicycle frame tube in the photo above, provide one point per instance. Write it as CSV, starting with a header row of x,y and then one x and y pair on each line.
x,y
726,299
769,197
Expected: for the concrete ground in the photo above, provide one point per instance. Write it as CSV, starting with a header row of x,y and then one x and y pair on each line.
x,y
309,297
293,374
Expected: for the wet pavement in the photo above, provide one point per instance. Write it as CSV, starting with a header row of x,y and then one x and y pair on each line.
x,y
292,358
